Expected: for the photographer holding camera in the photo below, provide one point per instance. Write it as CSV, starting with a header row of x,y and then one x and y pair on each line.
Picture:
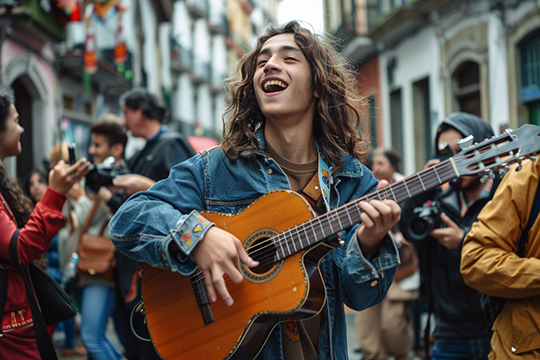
x,y
437,223
96,294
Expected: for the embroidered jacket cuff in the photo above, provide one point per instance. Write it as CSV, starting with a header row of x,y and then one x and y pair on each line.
x,y
189,233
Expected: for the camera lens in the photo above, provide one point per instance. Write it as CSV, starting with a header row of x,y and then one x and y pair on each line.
x,y
418,228
421,227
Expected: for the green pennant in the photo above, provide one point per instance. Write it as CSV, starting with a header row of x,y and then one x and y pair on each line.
x,y
87,83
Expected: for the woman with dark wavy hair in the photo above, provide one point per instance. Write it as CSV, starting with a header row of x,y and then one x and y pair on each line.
x,y
292,125
37,228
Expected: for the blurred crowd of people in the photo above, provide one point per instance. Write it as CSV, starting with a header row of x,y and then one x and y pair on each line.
x,y
98,298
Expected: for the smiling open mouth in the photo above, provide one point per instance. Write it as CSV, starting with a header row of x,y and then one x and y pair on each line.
x,y
274,86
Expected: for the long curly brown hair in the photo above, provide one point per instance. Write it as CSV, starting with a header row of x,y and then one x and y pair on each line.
x,y
21,206
337,118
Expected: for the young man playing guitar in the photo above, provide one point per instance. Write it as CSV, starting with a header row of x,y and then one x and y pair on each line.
x,y
291,125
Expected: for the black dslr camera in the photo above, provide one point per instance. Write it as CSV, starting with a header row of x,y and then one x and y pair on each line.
x,y
425,219
428,216
104,173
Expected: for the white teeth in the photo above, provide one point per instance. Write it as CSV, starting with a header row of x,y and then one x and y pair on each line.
x,y
275,82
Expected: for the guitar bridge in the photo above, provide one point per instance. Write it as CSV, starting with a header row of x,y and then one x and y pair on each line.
x,y
199,290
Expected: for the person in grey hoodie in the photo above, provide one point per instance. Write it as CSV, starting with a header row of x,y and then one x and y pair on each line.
x,y
461,330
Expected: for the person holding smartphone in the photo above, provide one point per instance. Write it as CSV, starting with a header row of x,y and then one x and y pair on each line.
x,y
38,225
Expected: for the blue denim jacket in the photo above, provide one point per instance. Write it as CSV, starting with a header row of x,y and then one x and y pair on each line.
x,y
146,224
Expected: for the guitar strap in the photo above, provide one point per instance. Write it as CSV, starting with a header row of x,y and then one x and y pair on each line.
x,y
325,179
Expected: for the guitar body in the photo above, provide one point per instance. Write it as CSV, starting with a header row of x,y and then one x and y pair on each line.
x,y
290,288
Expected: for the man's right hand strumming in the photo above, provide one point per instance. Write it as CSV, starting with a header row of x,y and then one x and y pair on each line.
x,y
218,254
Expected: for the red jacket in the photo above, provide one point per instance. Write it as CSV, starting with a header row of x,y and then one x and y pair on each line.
x,y
34,239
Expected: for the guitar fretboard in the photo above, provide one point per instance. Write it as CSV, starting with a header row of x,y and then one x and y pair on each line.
x,y
317,229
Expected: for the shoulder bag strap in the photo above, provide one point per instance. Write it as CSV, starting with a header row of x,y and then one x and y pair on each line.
x,y
89,219
4,270
44,343
524,239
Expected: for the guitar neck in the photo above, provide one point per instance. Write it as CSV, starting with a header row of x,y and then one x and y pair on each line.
x,y
319,228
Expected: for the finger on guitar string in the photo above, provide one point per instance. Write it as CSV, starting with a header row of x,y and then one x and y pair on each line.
x,y
244,257
218,254
209,288
218,282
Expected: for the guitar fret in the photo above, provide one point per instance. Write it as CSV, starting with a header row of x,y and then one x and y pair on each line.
x,y
294,242
392,191
421,182
307,236
339,221
338,217
407,188
330,223
287,243
313,229
348,215
358,208
322,228
437,174
281,246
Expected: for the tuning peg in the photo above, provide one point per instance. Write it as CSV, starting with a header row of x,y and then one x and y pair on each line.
x,y
465,142
519,166
504,170
533,158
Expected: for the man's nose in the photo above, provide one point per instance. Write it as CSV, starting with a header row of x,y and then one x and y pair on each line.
x,y
272,64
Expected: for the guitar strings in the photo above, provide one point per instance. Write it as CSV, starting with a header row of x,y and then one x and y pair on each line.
x,y
444,172
416,187
266,248
296,232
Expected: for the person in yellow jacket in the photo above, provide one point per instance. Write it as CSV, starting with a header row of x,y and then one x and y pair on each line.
x,y
490,264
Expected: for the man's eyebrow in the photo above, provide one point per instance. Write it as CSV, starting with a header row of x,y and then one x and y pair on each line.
x,y
284,48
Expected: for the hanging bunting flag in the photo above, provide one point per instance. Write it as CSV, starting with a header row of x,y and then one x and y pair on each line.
x,y
102,8
76,15
68,6
90,53
120,49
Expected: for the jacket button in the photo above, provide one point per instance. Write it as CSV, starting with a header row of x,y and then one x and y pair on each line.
x,y
374,283
270,171
513,349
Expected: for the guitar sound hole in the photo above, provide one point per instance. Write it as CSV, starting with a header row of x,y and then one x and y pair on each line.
x,y
262,251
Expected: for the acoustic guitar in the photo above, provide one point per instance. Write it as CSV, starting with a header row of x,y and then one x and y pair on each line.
x,y
281,232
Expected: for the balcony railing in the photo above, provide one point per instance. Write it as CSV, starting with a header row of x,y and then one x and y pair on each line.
x,y
201,70
30,12
378,9
181,58
217,77
218,23
198,8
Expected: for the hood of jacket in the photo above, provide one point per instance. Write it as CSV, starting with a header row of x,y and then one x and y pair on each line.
x,y
467,124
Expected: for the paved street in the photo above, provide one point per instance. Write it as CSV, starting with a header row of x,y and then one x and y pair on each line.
x,y
58,342
352,340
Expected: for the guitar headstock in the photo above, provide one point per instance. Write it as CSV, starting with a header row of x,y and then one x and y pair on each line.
x,y
497,152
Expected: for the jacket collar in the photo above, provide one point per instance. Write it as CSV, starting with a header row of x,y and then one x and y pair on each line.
x,y
352,169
